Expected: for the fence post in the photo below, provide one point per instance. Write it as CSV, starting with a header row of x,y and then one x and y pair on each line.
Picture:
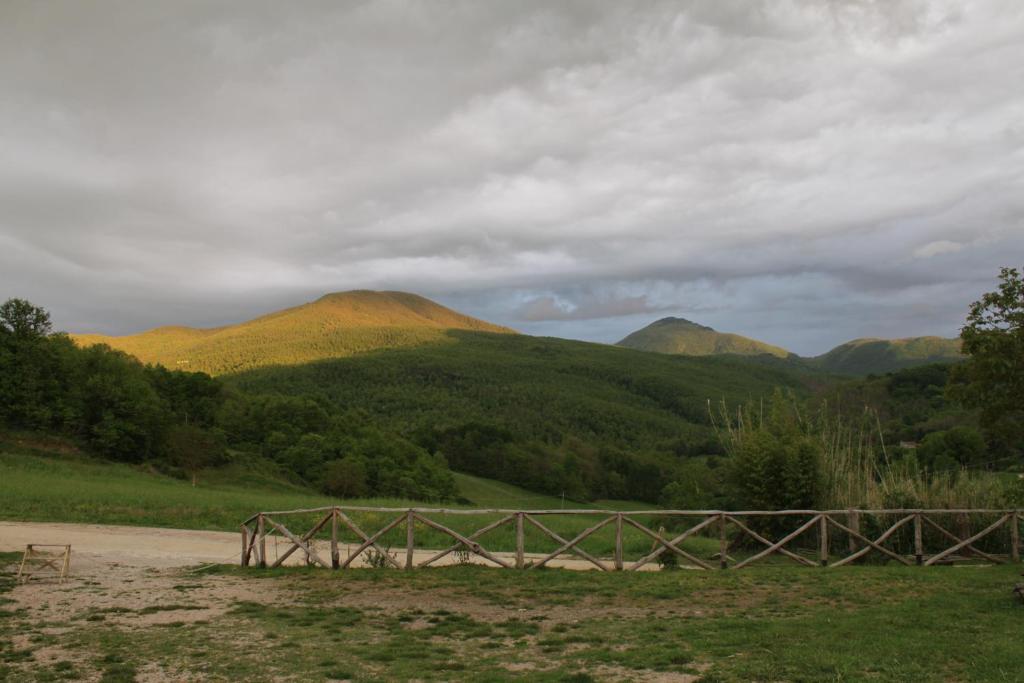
x,y
723,544
918,541
823,541
335,557
618,542
261,534
853,521
1015,537
410,524
245,546
520,542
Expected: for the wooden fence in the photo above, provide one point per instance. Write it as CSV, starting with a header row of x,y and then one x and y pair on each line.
x,y
827,538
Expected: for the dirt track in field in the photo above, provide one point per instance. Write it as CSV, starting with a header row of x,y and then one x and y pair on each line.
x,y
96,545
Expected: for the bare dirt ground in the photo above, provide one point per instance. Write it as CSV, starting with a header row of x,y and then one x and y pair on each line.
x,y
157,548
129,579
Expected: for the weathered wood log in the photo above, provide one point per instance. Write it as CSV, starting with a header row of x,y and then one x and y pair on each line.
x,y
305,538
918,541
577,551
667,545
758,537
473,536
963,544
674,513
618,542
1015,539
853,519
520,542
253,550
723,543
778,544
876,544
245,546
410,542
823,541
571,545
369,541
956,539
472,545
262,533
335,555
298,543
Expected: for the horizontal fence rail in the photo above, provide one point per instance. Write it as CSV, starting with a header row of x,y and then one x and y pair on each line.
x,y
714,538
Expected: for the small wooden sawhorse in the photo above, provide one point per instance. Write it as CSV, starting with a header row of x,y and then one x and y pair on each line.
x,y
34,561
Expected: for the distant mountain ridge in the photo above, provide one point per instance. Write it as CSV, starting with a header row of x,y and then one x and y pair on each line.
x,y
335,325
681,336
856,357
877,356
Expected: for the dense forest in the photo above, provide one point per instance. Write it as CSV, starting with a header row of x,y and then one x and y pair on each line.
x,y
120,409
585,421
556,416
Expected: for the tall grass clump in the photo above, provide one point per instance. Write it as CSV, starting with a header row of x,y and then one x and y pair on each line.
x,y
785,457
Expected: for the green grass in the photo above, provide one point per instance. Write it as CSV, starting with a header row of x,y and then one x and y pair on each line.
x,y
887,624
73,488
489,493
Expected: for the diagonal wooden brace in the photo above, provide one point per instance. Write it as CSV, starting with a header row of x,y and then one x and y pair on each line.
x,y
299,543
670,545
778,544
756,536
473,536
369,540
956,539
968,541
570,545
578,551
675,541
469,543
305,538
876,544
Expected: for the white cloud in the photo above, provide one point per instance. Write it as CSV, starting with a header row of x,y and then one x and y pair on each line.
x,y
937,247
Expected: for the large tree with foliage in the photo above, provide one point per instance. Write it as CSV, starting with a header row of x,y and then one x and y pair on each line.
x,y
992,378
22,319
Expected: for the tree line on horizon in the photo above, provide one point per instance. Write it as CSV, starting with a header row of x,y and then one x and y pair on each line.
x,y
389,425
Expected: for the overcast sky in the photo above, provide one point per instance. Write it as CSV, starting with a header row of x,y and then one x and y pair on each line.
x,y
800,172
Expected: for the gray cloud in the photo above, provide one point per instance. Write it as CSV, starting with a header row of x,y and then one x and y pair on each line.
x,y
585,307
802,172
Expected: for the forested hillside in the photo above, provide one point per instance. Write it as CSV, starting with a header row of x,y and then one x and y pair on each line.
x,y
878,356
335,325
551,415
677,335
185,422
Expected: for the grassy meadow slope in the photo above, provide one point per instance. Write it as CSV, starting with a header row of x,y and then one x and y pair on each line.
x,y
676,335
877,356
545,389
336,325
40,484
50,480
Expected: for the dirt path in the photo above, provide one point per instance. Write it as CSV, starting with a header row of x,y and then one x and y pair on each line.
x,y
95,545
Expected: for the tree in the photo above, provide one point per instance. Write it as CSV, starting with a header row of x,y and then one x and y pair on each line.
x,y
992,377
22,319
346,478
193,449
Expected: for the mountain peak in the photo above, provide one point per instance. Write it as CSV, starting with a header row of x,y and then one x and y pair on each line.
x,y
685,337
335,325
681,323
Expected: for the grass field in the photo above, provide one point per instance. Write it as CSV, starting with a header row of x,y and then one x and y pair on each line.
x,y
470,623
46,487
